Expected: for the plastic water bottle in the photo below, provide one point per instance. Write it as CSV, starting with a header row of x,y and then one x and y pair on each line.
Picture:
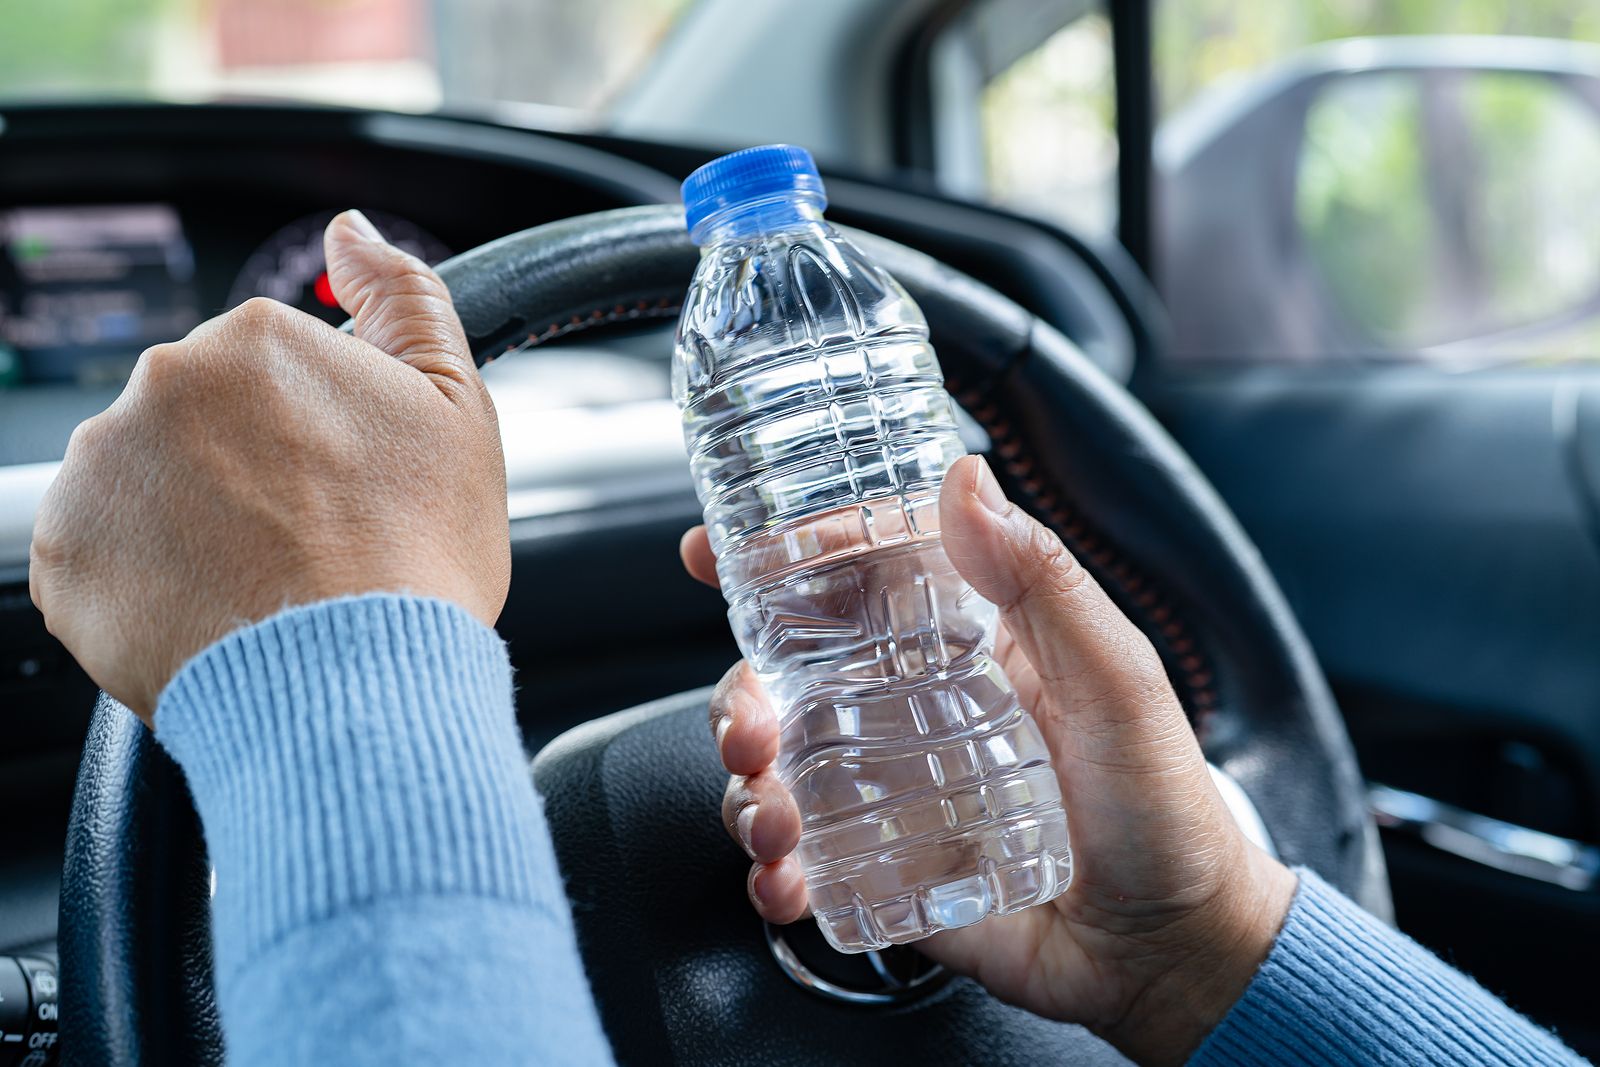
x,y
819,431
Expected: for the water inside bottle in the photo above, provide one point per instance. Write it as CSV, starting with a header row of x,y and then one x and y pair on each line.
x,y
819,431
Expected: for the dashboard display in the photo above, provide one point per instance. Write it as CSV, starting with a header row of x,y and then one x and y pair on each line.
x,y
85,289
289,266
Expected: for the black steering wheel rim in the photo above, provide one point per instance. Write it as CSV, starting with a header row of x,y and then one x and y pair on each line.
x,y
1069,444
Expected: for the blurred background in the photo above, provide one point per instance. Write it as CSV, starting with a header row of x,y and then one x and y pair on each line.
x,y
1402,257
405,54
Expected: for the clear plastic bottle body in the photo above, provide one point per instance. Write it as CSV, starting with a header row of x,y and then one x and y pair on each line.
x,y
819,432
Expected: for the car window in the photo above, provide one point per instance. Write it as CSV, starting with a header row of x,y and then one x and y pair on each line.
x,y
1044,136
1050,128
1356,181
1443,211
1409,181
395,54
1201,44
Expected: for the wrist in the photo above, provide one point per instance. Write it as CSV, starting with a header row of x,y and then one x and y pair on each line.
x,y
1213,958
348,751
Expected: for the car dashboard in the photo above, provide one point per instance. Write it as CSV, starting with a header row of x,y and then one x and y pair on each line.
x,y
124,225
85,287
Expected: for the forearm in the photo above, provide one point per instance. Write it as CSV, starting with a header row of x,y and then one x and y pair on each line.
x,y
386,891
1341,988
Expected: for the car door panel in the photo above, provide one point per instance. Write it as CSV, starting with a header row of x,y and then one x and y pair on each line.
x,y
1429,531
1434,534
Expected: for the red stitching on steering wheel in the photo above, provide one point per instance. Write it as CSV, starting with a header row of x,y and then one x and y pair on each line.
x,y
1196,680
598,317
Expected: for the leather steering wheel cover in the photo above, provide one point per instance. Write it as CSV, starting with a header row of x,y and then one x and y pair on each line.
x,y
134,932
677,961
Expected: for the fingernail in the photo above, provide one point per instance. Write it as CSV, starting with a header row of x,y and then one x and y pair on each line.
x,y
750,886
746,822
988,490
723,722
363,225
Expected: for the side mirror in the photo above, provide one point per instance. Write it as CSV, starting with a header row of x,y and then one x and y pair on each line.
x,y
1405,197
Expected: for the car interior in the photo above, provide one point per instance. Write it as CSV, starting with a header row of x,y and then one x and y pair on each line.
x,y
1285,318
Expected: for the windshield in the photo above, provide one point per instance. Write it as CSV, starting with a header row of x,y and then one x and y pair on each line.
x,y
416,55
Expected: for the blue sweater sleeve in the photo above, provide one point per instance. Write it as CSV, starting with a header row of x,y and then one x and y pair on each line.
x,y
386,890
1342,989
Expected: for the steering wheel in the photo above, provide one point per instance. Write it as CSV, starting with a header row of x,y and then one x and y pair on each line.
x,y
680,966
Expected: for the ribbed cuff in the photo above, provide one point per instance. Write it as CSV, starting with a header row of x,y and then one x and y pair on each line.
x,y
1341,987
352,751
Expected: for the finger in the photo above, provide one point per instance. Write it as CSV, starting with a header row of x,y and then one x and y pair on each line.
x,y
398,303
778,891
698,560
761,815
1076,638
743,722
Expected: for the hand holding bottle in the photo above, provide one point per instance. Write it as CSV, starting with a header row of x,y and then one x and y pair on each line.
x,y
1171,909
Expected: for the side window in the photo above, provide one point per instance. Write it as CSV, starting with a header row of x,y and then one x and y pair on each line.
x,y
1042,138
1361,201
1378,182
1454,215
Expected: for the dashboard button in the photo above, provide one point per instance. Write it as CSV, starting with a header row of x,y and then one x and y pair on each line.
x,y
15,1010
43,1041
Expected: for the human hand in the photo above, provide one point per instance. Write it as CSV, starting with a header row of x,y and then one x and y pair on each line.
x,y
1171,909
268,460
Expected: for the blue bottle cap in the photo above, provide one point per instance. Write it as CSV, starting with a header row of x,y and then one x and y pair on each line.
x,y
748,175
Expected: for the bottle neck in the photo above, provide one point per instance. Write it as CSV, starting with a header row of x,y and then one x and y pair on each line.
x,y
773,215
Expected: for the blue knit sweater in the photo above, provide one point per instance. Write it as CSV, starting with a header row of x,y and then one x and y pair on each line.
x,y
387,893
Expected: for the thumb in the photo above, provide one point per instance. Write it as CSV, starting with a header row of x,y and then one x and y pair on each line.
x,y
398,303
1100,668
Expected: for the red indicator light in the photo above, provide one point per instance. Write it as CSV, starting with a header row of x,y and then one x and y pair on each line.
x,y
324,291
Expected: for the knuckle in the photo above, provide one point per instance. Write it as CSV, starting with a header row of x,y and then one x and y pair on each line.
x,y
50,550
87,436
160,365
36,588
394,273
261,318
418,326
766,788
735,798
403,273
1140,664
420,280
733,792
1132,672
1057,572
45,551
1142,657
449,381
720,703
260,312
750,885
